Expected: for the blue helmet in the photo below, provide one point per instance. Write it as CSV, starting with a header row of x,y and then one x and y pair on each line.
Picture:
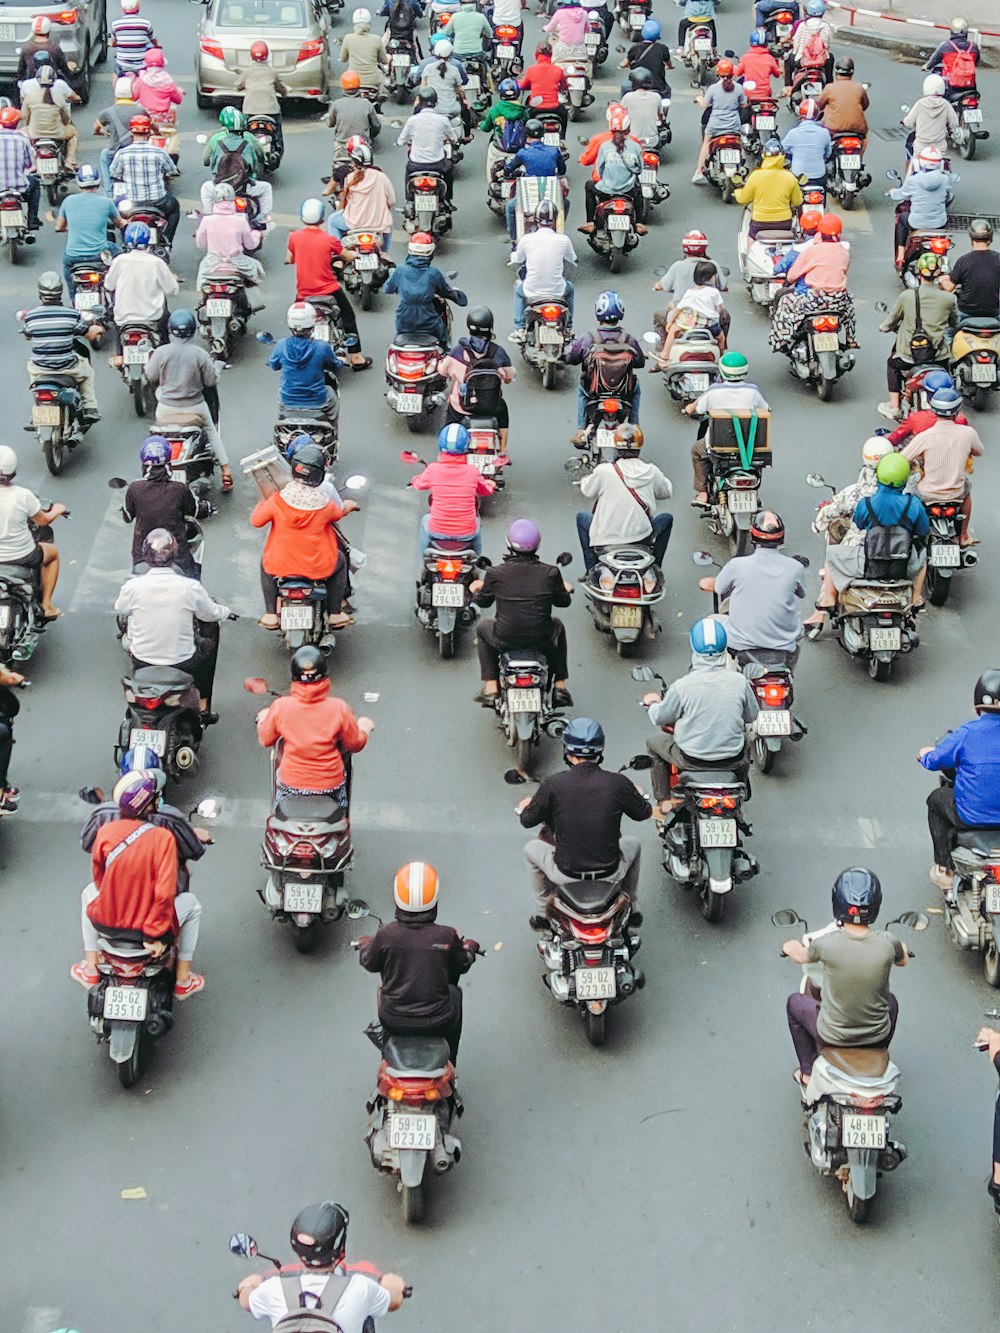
x,y
509,90
296,443
155,452
758,37
143,759
650,31
87,177
937,379
773,148
816,8
137,236
946,402
708,637
857,897
454,439
42,58
609,308
584,739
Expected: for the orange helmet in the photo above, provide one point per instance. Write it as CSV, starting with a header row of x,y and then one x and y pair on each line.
x,y
10,117
809,222
618,119
415,887
350,80
725,69
830,225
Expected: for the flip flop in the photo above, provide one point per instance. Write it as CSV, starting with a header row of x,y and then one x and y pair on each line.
x,y
266,624
334,624
361,365
48,619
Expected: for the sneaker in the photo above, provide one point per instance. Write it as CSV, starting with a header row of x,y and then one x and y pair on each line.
x,y
81,973
887,410
635,919
942,878
184,990
698,178
8,801
517,336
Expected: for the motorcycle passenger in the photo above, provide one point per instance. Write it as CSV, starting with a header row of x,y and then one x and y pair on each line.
x,y
145,172
758,66
542,254
422,290
844,103
972,753
535,159
402,17
608,359
938,316
956,60
834,515
424,136
85,218
158,502
944,454
731,392
506,120
651,55
156,90
470,33
62,92
47,118
234,157
226,236
809,144
313,250
680,276
186,380
315,730
261,89
319,1238
709,710
922,418
420,963
54,331
17,164
762,588
725,105
474,353
625,493
923,197
765,8
702,11
855,1007
568,28
932,120
823,268
363,51
305,364
546,83
617,171
113,124
808,231
134,893
9,709
454,486
810,49
975,276
642,103
302,540
524,590
772,193
700,307
20,507
139,283
367,200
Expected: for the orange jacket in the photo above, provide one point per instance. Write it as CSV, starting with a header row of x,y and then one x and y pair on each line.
x,y
589,155
136,890
312,727
301,541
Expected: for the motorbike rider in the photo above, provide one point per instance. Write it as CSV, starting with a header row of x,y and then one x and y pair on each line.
x,y
20,507
765,8
758,66
85,218
581,810
227,238
55,331
305,364
131,36
731,392
62,92
157,501
319,1238
679,277
808,232
113,124
156,90
855,1007
41,39
420,963
546,84
422,290
478,352
834,515
931,120
469,31
652,55
725,105
262,90
956,59
709,710
617,172
644,106
402,17
17,164
313,251
315,730
48,117
363,51
454,486
9,709
937,317
444,74
923,198
351,114
139,283
145,172
186,380
975,276
823,267
921,418
700,12
542,255
535,159
507,119
608,359
810,49
762,588
809,144
424,136
844,103
234,157
772,192
366,201
134,893
625,493
944,454
524,590
700,307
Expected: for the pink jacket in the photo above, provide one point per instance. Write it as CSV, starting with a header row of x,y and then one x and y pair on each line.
x,y
569,25
822,265
157,92
226,232
454,484
369,202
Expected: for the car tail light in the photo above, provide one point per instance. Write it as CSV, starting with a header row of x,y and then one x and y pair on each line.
x,y
424,183
44,396
449,569
850,145
550,313
717,802
619,206
506,34
611,405
650,160
210,48
940,244
67,17
595,934
826,323
310,50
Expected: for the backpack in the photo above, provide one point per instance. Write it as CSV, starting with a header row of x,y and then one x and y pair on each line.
x,y
480,390
304,1319
922,347
512,134
608,369
232,168
815,51
401,22
959,69
888,547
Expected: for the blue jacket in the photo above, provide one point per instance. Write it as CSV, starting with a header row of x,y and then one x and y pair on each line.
x,y
765,8
785,263
416,282
538,159
973,750
929,193
890,506
302,363
810,147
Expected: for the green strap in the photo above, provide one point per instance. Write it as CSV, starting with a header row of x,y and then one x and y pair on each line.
x,y
746,449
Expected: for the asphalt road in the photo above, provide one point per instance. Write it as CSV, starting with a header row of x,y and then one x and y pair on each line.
x,y
658,1182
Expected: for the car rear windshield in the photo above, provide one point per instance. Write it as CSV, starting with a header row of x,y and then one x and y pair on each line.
x,y
261,14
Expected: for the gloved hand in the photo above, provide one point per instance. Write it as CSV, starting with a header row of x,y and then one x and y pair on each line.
x,y
473,946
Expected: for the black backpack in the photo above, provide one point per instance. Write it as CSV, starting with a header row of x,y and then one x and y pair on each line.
x,y
481,389
608,368
401,22
231,167
888,546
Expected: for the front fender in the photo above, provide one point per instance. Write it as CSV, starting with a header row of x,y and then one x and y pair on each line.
x,y
863,1165
719,863
412,1163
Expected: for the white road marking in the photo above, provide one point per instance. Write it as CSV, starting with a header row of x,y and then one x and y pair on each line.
x,y
41,1319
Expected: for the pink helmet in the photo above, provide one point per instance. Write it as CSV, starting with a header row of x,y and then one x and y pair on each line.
x,y
154,58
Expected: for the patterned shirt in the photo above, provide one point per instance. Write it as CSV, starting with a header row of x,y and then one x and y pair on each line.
x,y
143,170
16,158
53,330
133,36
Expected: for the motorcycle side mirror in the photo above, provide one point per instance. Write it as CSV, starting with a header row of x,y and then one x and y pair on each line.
x,y
514,777
266,338
701,558
201,138
786,917
484,562
255,685
650,338
210,808
803,560
904,107
815,480
581,140
117,483
452,274
659,271
241,1242
620,50
881,307
92,795
574,465
564,558
915,920
639,763
356,909
643,673
356,482
893,175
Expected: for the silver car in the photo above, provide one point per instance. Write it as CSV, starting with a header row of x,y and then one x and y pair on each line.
x,y
80,29
294,30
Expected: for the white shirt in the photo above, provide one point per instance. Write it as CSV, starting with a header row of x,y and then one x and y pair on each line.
x,y
161,607
17,505
705,301
507,11
61,92
426,133
362,1297
618,516
731,398
141,283
544,252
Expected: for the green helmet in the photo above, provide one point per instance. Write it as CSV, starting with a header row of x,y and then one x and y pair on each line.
x,y
734,366
893,470
929,264
232,120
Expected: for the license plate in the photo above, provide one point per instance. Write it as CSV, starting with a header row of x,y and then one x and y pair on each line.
x,y
885,640
619,222
472,86
729,155
603,438
773,288
774,722
552,336
448,594
521,700
766,122
412,1131
626,617
973,117
401,62
409,404
596,983
46,414
697,383
983,372
551,138
156,740
826,342
296,617
10,218
577,84
702,44
591,41
302,897
126,1002
783,29
648,176
717,832
321,333
851,160
220,309
6,616
426,203
945,557
366,262
992,900
265,142
862,1131
742,502
135,356
7,32
86,300
481,461
48,167
505,52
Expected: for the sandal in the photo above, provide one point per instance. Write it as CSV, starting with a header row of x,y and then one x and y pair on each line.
x,y
269,622
340,622
227,482
363,364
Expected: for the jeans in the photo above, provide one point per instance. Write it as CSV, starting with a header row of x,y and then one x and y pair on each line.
x,y
666,752
581,406
186,906
594,196
521,302
201,665
6,747
662,524
337,226
425,537
32,197
803,1012
104,169
546,875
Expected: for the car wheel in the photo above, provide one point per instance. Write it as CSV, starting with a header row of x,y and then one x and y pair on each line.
x,y
102,50
83,78
202,102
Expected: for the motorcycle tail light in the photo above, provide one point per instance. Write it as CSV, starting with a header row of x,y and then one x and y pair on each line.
x,y
727,141
424,183
304,853
717,802
295,594
44,396
310,50
606,580
443,20
983,357
176,449
943,511
12,201
414,1089
525,682
213,49
771,693
630,591
480,442
550,313
866,1103
619,206
813,197
993,872
650,160
826,323
744,481
611,405
784,17
506,34
133,336
940,244
218,289
144,701
594,934
850,145
366,242
122,969
449,569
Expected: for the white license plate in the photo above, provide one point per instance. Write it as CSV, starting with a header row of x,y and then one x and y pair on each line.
x,y
86,300
6,616
128,1003
774,722
992,899
826,342
783,29
7,32
425,203
626,617
473,86
885,640
717,832
766,122
412,1131
367,262
973,117
448,594
219,309
603,438
742,502
505,52
596,983
945,557
551,138
774,288
156,740
851,160
11,218
702,44
577,84
548,334
696,383
648,176
481,461
409,404
619,222
730,155
265,142
296,617
983,372
135,356
302,897
862,1131
524,700
46,414
592,41
48,167
401,62
321,333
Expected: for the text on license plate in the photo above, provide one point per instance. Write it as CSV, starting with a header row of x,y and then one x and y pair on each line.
x,y
522,700
505,52
577,83
983,372
649,175
604,438
731,155
702,44
86,300
218,309
48,166
717,832
619,222
127,1003
448,594
302,897
851,161
626,617
826,342
591,41
885,640
296,617
862,1131
366,262
482,461
321,333
10,218
412,1131
401,62
973,117
426,202
551,138
742,502
993,899
697,383
766,122
595,983
774,722
7,31
472,86
135,356
46,414
409,404
156,740
945,557
548,334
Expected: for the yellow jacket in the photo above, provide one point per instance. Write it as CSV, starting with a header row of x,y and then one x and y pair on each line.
x,y
772,192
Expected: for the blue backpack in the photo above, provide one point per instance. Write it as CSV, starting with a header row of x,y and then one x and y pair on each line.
x,y
512,135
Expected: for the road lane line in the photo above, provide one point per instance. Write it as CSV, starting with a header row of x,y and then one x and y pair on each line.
x,y
42,1319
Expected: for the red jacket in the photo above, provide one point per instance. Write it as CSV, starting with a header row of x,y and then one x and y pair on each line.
x,y
312,726
546,81
454,484
760,67
301,542
136,887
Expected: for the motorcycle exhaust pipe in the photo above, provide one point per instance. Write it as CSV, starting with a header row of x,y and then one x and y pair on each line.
x,y
970,559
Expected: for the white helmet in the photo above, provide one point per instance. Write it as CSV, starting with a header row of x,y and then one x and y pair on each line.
x,y
361,16
130,6
312,211
124,90
928,158
874,448
934,86
8,461
443,49
301,316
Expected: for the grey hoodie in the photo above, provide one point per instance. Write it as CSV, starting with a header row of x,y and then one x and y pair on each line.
x,y
709,707
932,119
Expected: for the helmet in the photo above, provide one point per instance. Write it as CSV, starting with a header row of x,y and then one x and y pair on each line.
x,y
361,154
809,108
427,97
443,49
312,212
42,26
137,236
361,16
124,90
959,27
758,37
816,8
934,86
223,193
50,286
350,81
325,1226
231,119
946,402
87,177
893,470
143,760
830,226
609,308
8,462
650,31
533,128
46,76
415,887
986,698
640,78
874,448
259,51
10,118
42,58
136,793
159,548
628,438
734,366
141,124
308,663
523,536
694,243
479,321
773,148
508,89
766,528
857,897
153,58
937,379
618,119
182,324
725,69
845,67
929,264
453,439
300,317
154,452
544,213
809,222
584,739
129,6
980,230
708,637
420,243
354,143
308,465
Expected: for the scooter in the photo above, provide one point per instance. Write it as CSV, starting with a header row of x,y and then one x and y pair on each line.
x,y
595,41
972,905
819,353
945,554
758,256
614,234
621,591
734,494
87,288
727,164
507,62
416,387
56,417
264,128
919,243
975,358
602,417
630,16
692,363
22,620
547,336
223,310
138,341
970,120
426,207
847,174
369,270
477,88
579,76
14,223
400,55
154,218
241,1242
654,191
699,54
50,164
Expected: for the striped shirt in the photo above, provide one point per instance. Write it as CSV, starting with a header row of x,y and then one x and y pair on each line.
x,y
52,330
132,37
16,157
143,169
943,452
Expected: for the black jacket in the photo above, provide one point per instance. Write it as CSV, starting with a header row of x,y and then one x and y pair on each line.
x,y
152,503
582,808
419,961
525,590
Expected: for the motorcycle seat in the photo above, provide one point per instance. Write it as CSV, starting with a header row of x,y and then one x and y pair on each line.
x,y
121,944
984,841
309,810
415,342
416,1057
450,545
983,324
161,677
857,1061
708,777
631,558
53,377
521,662
18,575
589,895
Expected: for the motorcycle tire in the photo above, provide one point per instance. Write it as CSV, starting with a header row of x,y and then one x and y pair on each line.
x,y
419,423
54,451
824,389
991,965
858,1210
937,587
713,905
307,937
848,199
132,1069
549,374
624,647
880,671
367,294
615,260
967,150
137,389
522,755
446,644
739,540
413,1203
596,1027
763,757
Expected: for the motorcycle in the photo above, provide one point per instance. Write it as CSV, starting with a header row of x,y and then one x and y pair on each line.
x,y
138,341
621,591
50,164
849,1100
14,223
693,359
847,174
631,15
602,416
416,386
819,353
919,243
614,233
763,123
163,712
155,219
579,76
369,270
318,427
757,258
727,164
191,459
264,128
56,417
972,906
806,83
328,327
546,337
975,358
735,476
223,310
699,54
22,619
400,56
654,191
87,288
477,88
524,703
944,553
970,119
427,208
595,41
778,29
551,129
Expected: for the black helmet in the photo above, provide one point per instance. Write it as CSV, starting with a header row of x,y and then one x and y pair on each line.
x,y
584,739
980,229
427,97
309,465
308,663
857,897
182,324
479,321
325,1224
533,128
641,78
767,529
50,286
987,695
159,548
845,67
545,213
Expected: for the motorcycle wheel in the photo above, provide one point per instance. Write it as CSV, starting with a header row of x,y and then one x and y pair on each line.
x,y
967,150
763,757
596,1027
858,1210
824,389
623,648
727,191
847,200
367,293
615,260
306,937
138,391
446,644
937,587
548,375
418,424
991,965
880,671
739,539
55,454
130,1072
522,755
712,905
413,1203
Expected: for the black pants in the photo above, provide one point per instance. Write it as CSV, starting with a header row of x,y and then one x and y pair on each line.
x,y
490,645
595,196
665,752
455,416
443,168
336,588
944,823
684,24
996,1131
348,319
449,1028
901,227
201,667
171,211
6,746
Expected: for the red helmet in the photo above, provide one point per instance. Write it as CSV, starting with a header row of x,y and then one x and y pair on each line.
x,y
259,51
10,117
809,108
725,69
695,243
809,222
830,225
618,119
140,125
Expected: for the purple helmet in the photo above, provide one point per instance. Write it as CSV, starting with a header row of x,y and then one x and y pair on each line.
x,y
523,536
135,793
155,452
